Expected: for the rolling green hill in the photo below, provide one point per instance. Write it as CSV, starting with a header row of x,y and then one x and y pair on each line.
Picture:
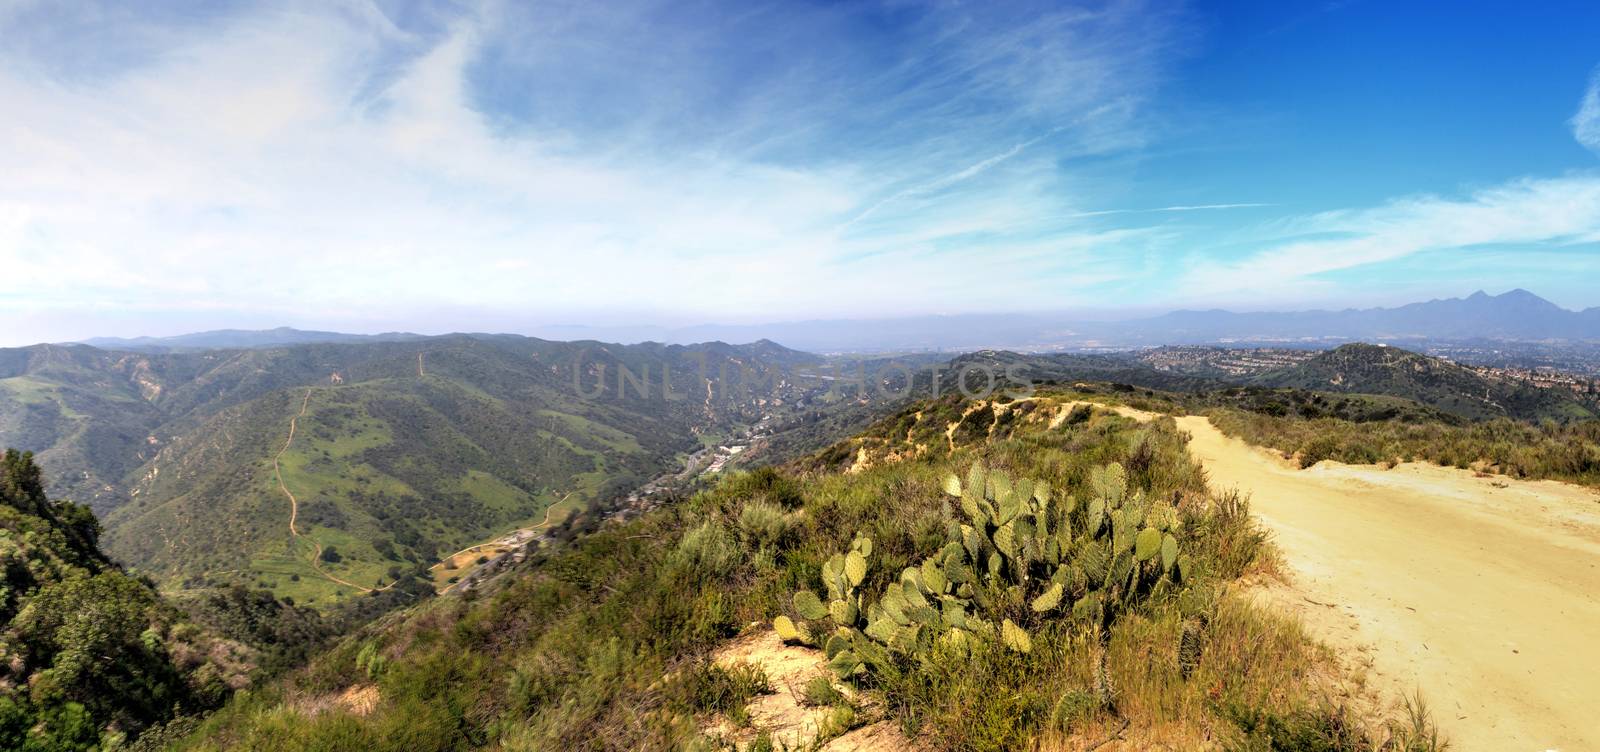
x,y
407,450
402,451
1421,383
1390,371
1067,368
86,413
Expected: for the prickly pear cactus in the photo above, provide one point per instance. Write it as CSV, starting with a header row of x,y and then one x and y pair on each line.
x,y
1012,541
788,631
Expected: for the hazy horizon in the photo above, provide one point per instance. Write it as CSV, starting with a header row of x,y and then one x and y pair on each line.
x,y
980,329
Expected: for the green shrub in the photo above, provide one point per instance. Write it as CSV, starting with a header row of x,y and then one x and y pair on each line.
x,y
710,688
1304,730
820,691
763,523
1557,451
708,551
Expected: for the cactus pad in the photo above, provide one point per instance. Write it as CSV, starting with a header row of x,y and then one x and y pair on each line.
x,y
809,605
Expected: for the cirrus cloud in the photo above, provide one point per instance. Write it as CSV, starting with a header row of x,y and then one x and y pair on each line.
x,y
1586,123
336,164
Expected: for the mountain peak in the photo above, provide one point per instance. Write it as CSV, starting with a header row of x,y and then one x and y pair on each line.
x,y
1528,302
1517,295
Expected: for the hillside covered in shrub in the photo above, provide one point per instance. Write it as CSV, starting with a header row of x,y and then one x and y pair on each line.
x,y
90,656
1051,575
1545,450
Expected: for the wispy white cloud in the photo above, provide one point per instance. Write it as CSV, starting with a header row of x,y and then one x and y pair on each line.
x,y
325,164
1166,209
1586,124
1531,211
318,164
1528,218
943,182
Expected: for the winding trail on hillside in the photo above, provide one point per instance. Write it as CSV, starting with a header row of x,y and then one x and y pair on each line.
x,y
1481,592
294,506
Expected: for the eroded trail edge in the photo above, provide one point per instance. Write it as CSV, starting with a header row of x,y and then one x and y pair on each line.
x,y
1481,593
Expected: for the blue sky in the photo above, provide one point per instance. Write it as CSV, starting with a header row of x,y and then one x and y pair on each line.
x,y
438,166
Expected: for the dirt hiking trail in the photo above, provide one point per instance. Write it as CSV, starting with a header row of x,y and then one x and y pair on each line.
x,y
1481,592
294,506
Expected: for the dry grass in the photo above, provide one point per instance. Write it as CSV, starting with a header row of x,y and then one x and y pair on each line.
x,y
572,652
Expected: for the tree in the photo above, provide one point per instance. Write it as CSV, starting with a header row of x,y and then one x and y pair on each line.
x,y
81,521
88,647
89,640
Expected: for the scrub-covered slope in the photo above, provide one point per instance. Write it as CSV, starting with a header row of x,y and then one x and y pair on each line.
x,y
1068,586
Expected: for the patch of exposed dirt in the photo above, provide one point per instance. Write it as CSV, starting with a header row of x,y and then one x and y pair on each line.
x,y
950,429
359,699
1064,409
1481,593
862,462
789,723
876,737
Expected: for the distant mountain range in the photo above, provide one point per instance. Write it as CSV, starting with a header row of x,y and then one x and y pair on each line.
x,y
241,339
1516,315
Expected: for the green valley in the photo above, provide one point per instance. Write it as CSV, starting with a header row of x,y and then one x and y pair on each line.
x,y
405,451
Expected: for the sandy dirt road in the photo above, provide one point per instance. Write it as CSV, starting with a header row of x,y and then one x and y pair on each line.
x,y
1482,593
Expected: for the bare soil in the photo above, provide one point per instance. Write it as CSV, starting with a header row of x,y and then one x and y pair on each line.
x,y
789,722
1481,593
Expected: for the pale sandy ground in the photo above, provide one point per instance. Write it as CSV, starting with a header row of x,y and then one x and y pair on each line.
x,y
790,723
1484,593
1481,593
